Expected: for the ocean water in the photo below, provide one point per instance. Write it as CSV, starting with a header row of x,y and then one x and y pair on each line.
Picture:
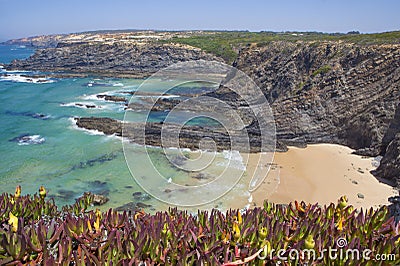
x,y
40,144
11,52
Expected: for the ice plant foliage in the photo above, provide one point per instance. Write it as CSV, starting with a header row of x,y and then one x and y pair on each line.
x,y
34,231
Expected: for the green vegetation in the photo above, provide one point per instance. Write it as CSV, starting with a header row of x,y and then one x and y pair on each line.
x,y
33,231
301,85
223,44
322,70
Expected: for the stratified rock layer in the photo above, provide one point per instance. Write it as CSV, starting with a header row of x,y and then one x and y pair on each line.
x,y
116,59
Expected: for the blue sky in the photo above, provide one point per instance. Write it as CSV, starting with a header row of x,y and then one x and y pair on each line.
x,y
22,18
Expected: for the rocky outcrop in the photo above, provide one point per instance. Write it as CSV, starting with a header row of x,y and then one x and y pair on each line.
x,y
111,98
389,167
116,59
189,136
106,125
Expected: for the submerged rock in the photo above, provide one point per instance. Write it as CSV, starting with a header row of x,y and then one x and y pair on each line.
x,y
29,114
142,205
92,162
99,187
132,206
26,139
65,194
199,176
141,196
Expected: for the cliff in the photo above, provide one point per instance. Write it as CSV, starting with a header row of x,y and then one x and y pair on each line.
x,y
334,92
110,58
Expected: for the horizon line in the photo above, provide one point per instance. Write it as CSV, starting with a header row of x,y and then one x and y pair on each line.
x,y
355,31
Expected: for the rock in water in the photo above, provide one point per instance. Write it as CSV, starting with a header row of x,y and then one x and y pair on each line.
x,y
107,125
140,196
27,139
142,205
131,206
111,98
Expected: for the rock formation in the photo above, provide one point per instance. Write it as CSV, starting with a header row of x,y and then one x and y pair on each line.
x,y
113,59
103,124
389,167
189,136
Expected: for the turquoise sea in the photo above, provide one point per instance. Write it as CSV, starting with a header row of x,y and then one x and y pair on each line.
x,y
40,144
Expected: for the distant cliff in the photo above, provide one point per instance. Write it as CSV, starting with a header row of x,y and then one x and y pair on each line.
x,y
321,91
44,41
110,58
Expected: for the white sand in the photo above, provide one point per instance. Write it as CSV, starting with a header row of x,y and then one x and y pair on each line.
x,y
321,173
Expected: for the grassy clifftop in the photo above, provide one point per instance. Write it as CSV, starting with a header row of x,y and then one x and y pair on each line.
x,y
223,44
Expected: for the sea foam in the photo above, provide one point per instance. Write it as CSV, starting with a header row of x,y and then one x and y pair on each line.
x,y
24,79
29,139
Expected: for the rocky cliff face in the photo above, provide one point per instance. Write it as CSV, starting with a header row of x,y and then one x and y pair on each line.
x,y
333,92
328,91
112,58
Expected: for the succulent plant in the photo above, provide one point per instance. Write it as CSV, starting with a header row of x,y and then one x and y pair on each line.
x,y
34,231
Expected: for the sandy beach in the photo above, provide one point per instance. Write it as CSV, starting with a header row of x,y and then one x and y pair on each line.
x,y
321,173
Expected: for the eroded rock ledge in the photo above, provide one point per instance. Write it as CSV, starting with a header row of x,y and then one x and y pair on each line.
x,y
189,136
